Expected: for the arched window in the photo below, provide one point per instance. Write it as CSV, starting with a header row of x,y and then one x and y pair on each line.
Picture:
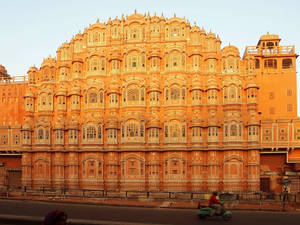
x,y
232,93
94,64
175,93
287,63
133,94
40,133
91,132
132,130
174,130
233,130
92,97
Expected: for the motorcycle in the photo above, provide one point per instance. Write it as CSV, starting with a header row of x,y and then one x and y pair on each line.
x,y
206,211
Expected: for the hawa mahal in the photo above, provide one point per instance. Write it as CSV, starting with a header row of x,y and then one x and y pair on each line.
x,y
150,103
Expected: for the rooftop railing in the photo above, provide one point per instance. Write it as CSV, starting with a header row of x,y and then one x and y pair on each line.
x,y
14,80
280,50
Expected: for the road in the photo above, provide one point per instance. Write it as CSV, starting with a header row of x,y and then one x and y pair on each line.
x,y
137,216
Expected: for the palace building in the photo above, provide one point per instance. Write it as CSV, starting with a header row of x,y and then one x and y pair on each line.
x,y
150,103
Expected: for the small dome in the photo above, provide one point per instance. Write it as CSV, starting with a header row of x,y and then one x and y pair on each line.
x,y
50,61
32,69
230,49
268,36
211,35
195,28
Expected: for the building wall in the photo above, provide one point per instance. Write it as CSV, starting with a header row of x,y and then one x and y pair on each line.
x,y
149,103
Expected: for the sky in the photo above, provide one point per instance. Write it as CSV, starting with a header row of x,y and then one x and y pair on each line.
x,y
32,30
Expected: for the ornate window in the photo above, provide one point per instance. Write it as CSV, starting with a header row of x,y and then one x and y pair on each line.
x,y
43,135
77,46
134,95
45,101
212,134
196,63
26,134
253,133
75,102
113,100
153,135
133,131
94,64
252,94
233,130
96,37
65,54
63,73
77,69
61,102
59,137
211,64
212,96
196,134
154,98
177,95
135,62
196,97
29,104
155,64
175,132
91,133
73,136
40,134
4,139
112,137
93,97
115,66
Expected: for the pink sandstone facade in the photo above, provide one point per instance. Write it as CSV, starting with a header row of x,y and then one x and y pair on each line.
x,y
149,103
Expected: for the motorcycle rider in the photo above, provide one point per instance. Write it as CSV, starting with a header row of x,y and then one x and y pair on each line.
x,y
215,203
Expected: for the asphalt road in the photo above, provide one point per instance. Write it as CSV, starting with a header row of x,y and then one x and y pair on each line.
x,y
137,216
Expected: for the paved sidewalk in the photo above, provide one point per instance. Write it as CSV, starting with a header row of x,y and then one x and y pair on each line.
x,y
267,205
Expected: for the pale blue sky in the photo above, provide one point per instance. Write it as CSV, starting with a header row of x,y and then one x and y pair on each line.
x,y
34,29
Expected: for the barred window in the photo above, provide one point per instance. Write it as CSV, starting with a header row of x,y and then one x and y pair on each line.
x,y
271,63
257,63
287,63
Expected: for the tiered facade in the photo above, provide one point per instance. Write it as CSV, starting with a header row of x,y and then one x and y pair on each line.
x,y
148,103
